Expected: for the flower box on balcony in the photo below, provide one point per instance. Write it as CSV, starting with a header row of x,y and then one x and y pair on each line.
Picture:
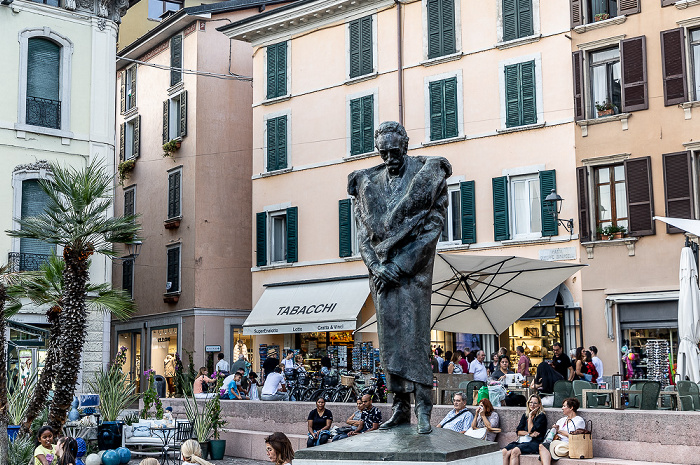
x,y
172,223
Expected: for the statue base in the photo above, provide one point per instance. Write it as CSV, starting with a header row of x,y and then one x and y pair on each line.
x,y
403,445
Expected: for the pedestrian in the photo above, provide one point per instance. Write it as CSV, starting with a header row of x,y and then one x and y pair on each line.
x,y
455,368
531,431
191,453
279,449
477,367
493,364
581,369
438,357
200,387
597,362
446,363
288,361
561,362
238,364
463,361
222,365
319,424
523,361
45,451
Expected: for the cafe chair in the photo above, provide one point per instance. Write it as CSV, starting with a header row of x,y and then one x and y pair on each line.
x,y
689,395
470,388
183,432
563,389
648,399
593,400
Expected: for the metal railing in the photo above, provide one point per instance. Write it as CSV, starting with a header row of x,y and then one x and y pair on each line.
x,y
26,261
44,112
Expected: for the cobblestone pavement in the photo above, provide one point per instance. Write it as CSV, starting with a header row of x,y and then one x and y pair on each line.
x,y
225,461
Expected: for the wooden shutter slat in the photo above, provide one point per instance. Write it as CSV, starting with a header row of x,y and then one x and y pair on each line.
x,y
634,74
272,144
122,142
468,207
548,183
528,92
366,45
449,44
577,66
640,199
137,136
261,239
292,234
166,121
501,220
576,13
272,71
34,201
512,96
344,228
628,7
510,20
355,48
450,100
183,114
175,60
127,276
525,27
281,142
436,106
174,195
367,123
434,29
356,138
281,69
678,187
673,66
43,68
122,89
584,229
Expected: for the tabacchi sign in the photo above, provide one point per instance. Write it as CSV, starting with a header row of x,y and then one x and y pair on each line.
x,y
297,309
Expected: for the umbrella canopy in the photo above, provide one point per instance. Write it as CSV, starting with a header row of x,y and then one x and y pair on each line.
x,y
485,294
688,318
691,226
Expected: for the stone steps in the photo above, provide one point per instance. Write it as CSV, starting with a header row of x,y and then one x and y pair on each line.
x,y
533,460
251,444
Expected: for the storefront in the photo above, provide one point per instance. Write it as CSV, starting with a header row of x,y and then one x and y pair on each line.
x,y
131,340
163,349
26,351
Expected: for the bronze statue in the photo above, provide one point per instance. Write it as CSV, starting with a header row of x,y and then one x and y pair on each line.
x,y
400,208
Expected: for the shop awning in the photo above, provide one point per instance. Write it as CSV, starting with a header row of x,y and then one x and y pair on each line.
x,y
309,306
544,309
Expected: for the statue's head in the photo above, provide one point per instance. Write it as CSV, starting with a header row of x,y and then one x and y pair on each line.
x,y
391,141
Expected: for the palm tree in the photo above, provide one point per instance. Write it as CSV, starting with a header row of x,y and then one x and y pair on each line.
x,y
46,289
76,217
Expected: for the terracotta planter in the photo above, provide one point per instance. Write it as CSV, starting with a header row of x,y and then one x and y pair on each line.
x,y
171,299
178,144
617,235
608,112
603,237
172,223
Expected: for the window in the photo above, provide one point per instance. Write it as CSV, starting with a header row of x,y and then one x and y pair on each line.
x,y
172,283
441,28
128,89
130,201
175,60
520,94
444,120
47,2
619,194
129,139
128,277
517,19
362,125
156,8
174,193
276,236
606,88
361,48
277,70
460,223
43,68
452,229
347,238
695,57
33,252
276,143
518,206
175,117
590,11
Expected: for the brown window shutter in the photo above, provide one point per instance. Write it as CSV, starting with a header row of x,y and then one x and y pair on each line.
x,y
584,227
640,196
576,13
634,74
122,135
137,136
673,66
668,2
579,105
628,7
123,92
678,187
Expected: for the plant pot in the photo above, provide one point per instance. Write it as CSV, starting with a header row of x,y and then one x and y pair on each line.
x,y
109,435
205,449
217,447
608,112
178,144
617,235
12,431
603,237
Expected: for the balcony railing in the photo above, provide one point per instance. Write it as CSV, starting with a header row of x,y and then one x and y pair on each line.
x,y
44,112
26,261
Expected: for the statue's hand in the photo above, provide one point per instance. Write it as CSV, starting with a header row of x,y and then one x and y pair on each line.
x,y
386,275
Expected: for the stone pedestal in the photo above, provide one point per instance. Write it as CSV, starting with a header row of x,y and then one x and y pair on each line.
x,y
402,445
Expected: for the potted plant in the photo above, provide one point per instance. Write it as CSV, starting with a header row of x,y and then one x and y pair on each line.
x,y
21,451
614,231
125,168
150,397
601,17
18,400
201,420
605,109
170,147
217,446
601,234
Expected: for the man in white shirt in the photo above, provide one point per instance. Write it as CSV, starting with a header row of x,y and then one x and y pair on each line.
x,y
477,367
222,365
274,387
598,363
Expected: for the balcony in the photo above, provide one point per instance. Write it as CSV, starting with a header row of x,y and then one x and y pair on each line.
x,y
26,261
44,112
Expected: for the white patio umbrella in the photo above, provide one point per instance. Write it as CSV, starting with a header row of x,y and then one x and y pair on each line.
x,y
688,318
486,294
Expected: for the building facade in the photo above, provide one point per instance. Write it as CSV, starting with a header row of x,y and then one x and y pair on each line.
x,y
479,84
58,106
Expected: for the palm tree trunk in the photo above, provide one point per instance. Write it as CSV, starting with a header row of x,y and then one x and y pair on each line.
x,y
4,443
73,320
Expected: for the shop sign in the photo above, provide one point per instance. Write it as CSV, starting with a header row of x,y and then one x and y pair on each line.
x,y
559,253
212,348
301,328
163,339
304,309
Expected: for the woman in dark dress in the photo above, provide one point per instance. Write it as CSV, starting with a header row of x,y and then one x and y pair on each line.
x,y
531,432
319,424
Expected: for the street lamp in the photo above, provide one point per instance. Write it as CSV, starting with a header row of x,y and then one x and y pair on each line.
x,y
553,206
133,249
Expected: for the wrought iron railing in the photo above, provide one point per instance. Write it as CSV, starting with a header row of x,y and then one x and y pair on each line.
x,y
44,112
26,261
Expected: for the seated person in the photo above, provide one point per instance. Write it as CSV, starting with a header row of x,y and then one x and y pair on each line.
x,y
275,387
370,420
353,421
319,424
486,417
234,391
253,386
455,368
566,425
503,369
200,387
458,419
544,381
531,432
242,383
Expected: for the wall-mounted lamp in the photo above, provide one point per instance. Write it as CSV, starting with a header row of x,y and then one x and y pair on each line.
x,y
133,249
552,205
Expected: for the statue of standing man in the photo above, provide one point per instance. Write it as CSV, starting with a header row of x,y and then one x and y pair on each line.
x,y
400,207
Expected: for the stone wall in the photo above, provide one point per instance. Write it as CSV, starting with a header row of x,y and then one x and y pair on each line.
x,y
652,436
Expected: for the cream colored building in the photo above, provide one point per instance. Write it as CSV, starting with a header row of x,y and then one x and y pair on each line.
x,y
634,164
486,87
58,105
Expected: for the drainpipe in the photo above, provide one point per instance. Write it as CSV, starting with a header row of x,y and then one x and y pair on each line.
x,y
399,44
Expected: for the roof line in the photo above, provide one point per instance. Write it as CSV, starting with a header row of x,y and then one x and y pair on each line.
x,y
265,14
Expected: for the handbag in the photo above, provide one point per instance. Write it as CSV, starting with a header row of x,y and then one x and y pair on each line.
x,y
479,433
581,442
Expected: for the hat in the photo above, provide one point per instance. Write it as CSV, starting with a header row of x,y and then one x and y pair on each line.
x,y
559,449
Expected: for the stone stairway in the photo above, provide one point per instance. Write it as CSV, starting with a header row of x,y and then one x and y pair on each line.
x,y
534,460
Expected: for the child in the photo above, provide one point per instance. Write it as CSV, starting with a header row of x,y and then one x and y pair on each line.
x,y
191,453
66,451
253,386
44,453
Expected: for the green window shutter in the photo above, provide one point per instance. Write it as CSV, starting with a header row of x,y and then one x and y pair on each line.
x,y
166,121
468,205
450,86
277,70
174,209
137,137
271,71
292,235
174,269
282,69
122,141
175,60
43,67
436,106
344,228
368,123
183,114
548,182
362,125
355,48
122,94
129,202
510,20
520,96
34,201
449,44
281,142
512,96
434,23
525,27
261,239
527,89
272,144
501,220
443,109
441,28
366,64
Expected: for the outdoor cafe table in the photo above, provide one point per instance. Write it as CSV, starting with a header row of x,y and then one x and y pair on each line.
x,y
165,433
616,398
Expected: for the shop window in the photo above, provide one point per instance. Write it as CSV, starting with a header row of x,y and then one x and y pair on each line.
x,y
164,346
132,365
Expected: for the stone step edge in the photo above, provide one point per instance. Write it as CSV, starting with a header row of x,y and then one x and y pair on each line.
x,y
266,433
532,459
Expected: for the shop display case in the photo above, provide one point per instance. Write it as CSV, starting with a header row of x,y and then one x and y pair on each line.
x,y
536,337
